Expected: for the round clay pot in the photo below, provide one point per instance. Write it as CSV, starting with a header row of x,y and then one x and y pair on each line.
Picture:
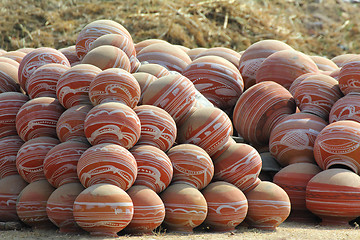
x,y
153,69
115,85
349,76
226,53
333,195
158,128
324,64
337,145
97,29
37,58
31,155
42,82
340,59
31,204
269,206
106,56
292,139
259,109
140,45
103,210
192,165
155,170
317,94
38,118
192,53
73,86
217,79
107,163
14,55
185,207
9,61
10,188
227,206
144,80
70,54
346,108
25,50
294,179
253,56
173,93
9,147
59,207
165,54
8,78
70,125
61,161
112,122
240,165
298,80
149,210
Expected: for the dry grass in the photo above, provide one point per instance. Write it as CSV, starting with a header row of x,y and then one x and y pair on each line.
x,y
327,28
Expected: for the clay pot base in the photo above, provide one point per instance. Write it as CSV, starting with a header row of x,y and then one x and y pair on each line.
x,y
335,221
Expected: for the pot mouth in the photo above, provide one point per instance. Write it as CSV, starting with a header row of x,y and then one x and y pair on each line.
x,y
342,164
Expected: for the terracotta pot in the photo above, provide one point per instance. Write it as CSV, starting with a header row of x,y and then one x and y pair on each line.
x,y
10,188
173,93
61,161
112,122
9,147
115,85
324,64
227,206
144,80
8,78
14,55
38,118
259,109
155,170
140,45
226,53
346,108
70,54
185,207
31,155
340,59
292,139
349,76
298,80
42,82
294,179
154,69
192,53
217,79
107,163
31,204
25,50
333,195
37,58
337,146
73,86
149,210
269,206
70,125
97,29
158,128
9,61
103,210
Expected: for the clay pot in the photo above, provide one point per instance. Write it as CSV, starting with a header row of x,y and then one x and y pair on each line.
x,y
253,56
10,103
153,69
114,85
217,79
14,55
59,207
337,146
73,86
8,78
259,109
208,128
106,56
70,54
25,50
103,210
333,195
107,163
166,55
226,53
155,170
192,53
240,165
61,161
37,58
144,80
292,139
349,76
346,108
70,125
31,155
294,179
298,80
173,93
192,165
324,64
227,206
140,45
10,188
31,204
9,147
158,128
340,59
9,61
97,29
149,210
112,122
269,206
38,118
185,207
